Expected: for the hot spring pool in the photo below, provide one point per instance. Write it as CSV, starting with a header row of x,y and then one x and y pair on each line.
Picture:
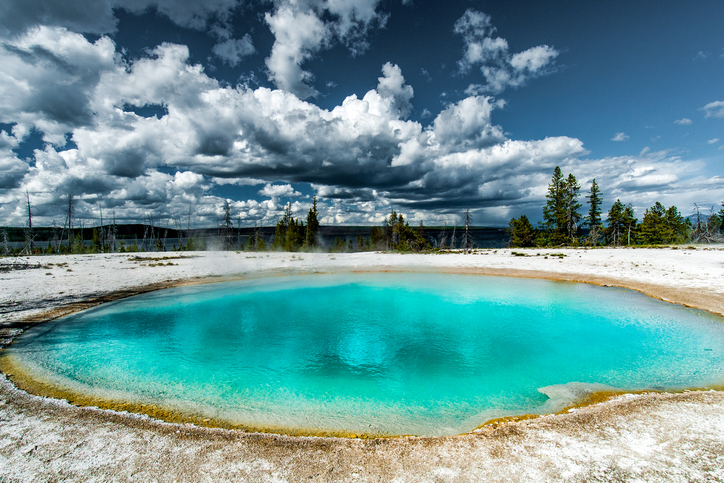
x,y
375,354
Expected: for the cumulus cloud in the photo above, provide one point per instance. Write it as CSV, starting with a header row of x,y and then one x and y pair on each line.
x,y
301,29
298,36
12,169
231,51
620,137
276,191
48,77
684,122
362,156
500,68
713,141
392,85
714,109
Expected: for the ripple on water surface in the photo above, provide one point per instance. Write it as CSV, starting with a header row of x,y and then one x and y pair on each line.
x,y
373,353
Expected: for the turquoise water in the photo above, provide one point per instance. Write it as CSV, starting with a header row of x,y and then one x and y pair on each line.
x,y
375,353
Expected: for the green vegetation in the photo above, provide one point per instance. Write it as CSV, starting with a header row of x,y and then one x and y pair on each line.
x,y
621,228
562,220
522,233
563,225
663,226
594,214
291,235
561,215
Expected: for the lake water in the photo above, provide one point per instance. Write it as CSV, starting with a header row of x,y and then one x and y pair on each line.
x,y
424,354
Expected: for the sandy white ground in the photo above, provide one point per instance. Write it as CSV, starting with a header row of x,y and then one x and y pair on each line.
x,y
653,437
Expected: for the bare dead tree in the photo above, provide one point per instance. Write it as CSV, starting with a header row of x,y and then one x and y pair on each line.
x,y
103,239
56,238
467,241
6,247
145,236
443,237
177,223
452,239
28,250
227,226
112,234
238,233
703,231
68,222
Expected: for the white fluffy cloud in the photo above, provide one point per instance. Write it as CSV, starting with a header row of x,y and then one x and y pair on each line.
x,y
47,79
301,29
620,137
231,51
684,122
275,191
500,69
392,85
362,156
714,109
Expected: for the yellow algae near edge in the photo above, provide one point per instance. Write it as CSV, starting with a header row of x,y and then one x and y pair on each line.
x,y
23,380
592,399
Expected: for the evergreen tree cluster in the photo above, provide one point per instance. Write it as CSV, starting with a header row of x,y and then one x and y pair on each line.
x,y
291,235
562,221
561,213
398,235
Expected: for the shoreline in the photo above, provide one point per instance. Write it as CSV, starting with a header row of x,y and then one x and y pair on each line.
x,y
710,299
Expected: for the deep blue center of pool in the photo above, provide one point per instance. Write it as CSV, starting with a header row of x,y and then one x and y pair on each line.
x,y
425,354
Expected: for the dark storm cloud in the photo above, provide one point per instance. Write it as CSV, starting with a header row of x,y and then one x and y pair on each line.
x,y
12,172
214,145
97,16
92,16
127,163
63,97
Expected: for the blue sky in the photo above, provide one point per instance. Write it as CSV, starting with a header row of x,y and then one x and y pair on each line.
x,y
152,108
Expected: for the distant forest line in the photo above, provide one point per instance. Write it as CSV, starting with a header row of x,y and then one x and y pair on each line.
x,y
485,237
563,225
563,221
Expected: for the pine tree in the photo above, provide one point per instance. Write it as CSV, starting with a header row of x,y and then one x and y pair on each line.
x,y
391,231
294,236
377,238
280,234
621,224
420,242
677,227
310,237
96,244
653,226
629,223
522,233
573,215
661,226
556,210
594,213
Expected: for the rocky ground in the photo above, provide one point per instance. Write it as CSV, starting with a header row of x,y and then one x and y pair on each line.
x,y
647,437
